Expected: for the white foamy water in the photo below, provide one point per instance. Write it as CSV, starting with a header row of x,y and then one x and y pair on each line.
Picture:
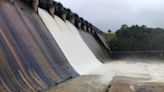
x,y
71,44
84,61
144,70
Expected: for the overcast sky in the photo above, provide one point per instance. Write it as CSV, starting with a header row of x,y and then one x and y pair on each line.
x,y
111,14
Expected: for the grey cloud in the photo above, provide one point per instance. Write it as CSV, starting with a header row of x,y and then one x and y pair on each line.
x,y
112,14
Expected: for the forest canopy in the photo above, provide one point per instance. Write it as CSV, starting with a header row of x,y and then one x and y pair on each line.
x,y
136,38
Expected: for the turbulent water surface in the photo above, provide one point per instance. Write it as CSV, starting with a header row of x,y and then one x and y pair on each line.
x,y
123,75
144,70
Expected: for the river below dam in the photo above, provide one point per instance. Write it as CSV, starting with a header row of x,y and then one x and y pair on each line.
x,y
133,71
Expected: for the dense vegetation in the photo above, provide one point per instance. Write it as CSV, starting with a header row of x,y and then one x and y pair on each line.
x,y
136,38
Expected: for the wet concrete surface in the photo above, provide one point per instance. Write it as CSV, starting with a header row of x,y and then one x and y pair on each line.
x,y
93,83
30,59
86,83
124,85
119,76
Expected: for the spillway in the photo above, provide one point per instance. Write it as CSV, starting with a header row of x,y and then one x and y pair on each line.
x,y
38,51
71,43
99,51
30,58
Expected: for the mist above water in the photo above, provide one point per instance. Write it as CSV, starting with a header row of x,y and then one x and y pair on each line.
x,y
143,70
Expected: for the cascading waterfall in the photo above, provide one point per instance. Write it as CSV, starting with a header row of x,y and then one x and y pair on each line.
x,y
83,60
70,42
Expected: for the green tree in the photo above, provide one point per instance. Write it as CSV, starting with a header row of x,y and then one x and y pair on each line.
x,y
136,38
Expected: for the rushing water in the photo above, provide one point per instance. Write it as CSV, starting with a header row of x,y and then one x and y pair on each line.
x,y
84,61
134,71
71,44
143,70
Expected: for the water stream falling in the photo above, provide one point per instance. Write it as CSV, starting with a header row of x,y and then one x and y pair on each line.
x,y
95,76
84,61
71,44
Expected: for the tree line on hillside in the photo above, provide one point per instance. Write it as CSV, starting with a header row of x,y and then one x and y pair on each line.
x,y
136,38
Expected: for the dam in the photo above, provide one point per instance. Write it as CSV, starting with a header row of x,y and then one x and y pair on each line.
x,y
39,50
44,45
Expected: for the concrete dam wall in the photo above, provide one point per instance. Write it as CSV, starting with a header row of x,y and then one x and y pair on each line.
x,y
44,47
